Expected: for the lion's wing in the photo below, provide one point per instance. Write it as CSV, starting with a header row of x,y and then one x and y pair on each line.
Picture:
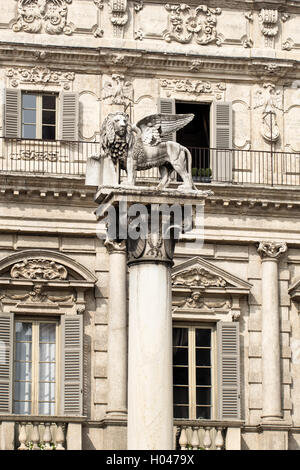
x,y
164,123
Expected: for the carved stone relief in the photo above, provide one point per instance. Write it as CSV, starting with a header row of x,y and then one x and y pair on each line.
x,y
269,25
271,249
195,87
119,15
49,16
118,91
197,300
39,269
39,76
188,23
37,295
270,99
199,277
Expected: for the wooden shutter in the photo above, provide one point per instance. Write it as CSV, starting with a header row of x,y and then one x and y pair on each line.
x,y
6,349
12,113
72,350
229,370
69,116
222,141
167,106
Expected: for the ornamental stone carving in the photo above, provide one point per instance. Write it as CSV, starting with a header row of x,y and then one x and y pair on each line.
x,y
269,25
270,99
40,76
199,277
119,15
118,91
37,295
39,269
49,16
187,23
271,249
195,87
196,300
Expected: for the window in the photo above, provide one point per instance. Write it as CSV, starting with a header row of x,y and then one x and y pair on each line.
x,y
42,115
39,116
193,372
35,367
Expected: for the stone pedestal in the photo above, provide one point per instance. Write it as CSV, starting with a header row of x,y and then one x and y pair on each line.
x,y
150,257
270,253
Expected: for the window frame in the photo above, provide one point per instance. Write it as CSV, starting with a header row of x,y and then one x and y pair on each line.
x,y
36,321
192,326
39,114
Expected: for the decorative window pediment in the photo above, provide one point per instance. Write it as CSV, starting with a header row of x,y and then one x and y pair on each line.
x,y
200,288
44,282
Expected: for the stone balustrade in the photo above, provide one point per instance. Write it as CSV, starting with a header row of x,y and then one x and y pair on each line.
x,y
40,432
38,435
209,435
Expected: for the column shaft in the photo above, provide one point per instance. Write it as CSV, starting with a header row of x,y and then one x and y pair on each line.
x,y
117,335
150,395
271,340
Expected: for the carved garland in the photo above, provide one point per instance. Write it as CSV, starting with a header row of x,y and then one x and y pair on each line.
x,y
195,87
49,16
187,23
39,269
40,75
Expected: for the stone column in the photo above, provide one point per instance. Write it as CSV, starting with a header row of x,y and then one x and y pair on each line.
x,y
117,330
270,253
150,385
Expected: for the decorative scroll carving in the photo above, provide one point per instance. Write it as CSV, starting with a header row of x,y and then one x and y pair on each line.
x,y
118,91
39,269
37,295
271,249
188,23
40,75
138,5
269,25
119,15
196,87
199,277
50,16
271,100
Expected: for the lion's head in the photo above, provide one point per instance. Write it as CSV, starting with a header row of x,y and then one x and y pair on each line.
x,y
116,136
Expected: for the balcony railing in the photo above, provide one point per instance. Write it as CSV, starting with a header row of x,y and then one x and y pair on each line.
x,y
62,158
40,157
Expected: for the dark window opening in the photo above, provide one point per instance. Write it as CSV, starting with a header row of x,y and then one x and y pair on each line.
x,y
196,137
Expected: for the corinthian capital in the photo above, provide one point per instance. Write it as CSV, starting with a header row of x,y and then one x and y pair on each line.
x,y
271,249
114,246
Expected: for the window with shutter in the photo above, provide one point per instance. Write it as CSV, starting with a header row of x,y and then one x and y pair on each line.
x,y
229,370
222,141
72,364
12,114
167,106
35,367
6,348
193,372
69,111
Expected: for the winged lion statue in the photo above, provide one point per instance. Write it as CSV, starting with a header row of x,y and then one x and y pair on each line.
x,y
142,146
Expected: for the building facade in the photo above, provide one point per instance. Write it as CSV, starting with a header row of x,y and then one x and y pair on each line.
x,y
65,65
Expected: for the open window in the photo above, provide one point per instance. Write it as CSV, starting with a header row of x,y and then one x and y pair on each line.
x,y
208,137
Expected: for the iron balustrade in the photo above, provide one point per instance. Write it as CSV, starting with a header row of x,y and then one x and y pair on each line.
x,y
45,157
63,158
